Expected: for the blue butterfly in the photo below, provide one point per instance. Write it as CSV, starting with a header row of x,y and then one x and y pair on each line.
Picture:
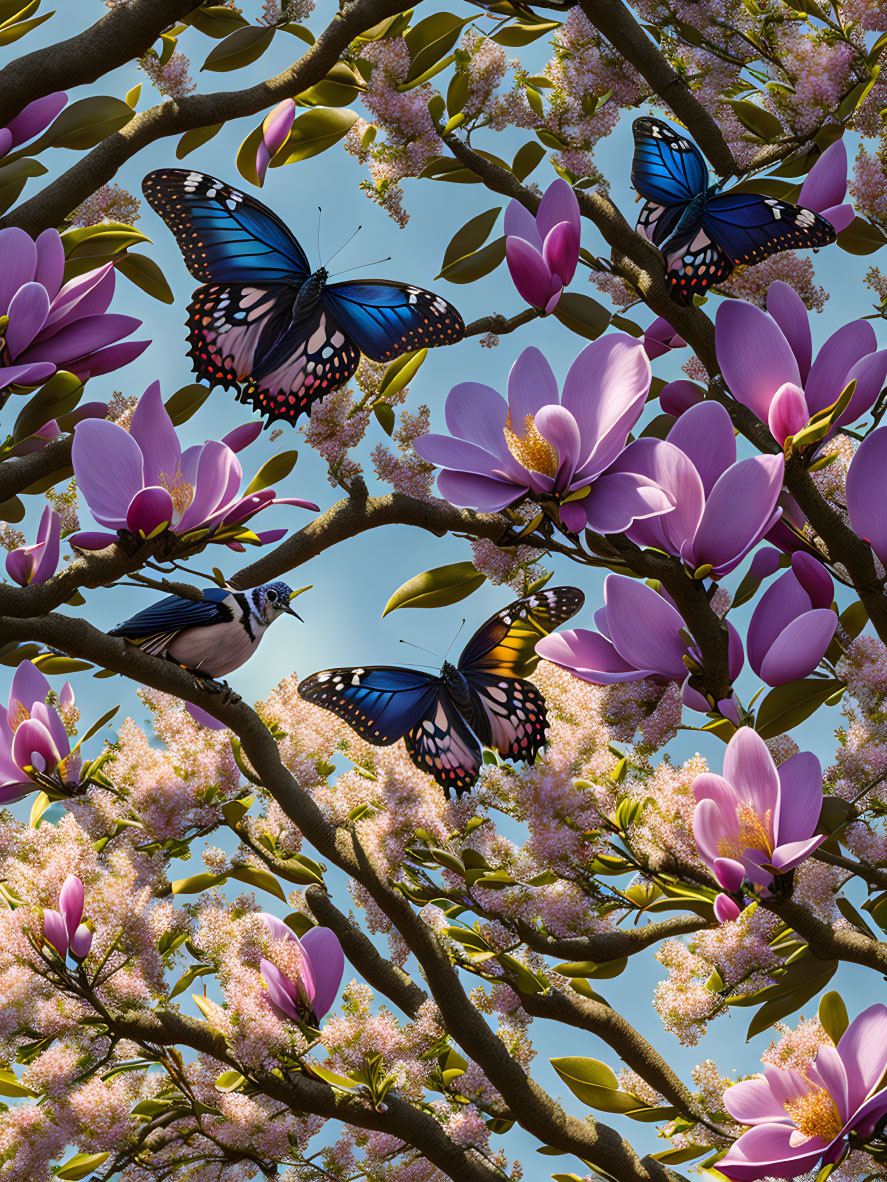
x,y
483,701
263,320
703,232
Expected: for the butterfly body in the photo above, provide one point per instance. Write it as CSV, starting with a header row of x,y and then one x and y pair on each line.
x,y
262,320
482,701
703,230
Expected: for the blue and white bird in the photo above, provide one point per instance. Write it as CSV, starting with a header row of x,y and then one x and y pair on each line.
x,y
213,636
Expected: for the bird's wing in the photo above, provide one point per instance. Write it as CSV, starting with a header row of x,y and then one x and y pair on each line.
x,y
160,623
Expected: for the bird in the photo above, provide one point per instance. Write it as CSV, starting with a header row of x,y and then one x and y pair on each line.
x,y
703,232
263,321
445,720
212,636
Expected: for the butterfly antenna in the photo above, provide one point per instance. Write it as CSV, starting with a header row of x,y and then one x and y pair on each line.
x,y
319,212
455,638
342,247
360,266
420,647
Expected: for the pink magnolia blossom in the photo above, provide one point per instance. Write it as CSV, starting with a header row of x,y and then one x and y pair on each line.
x,y
37,563
63,928
542,251
825,188
755,821
322,965
660,338
275,130
141,481
767,362
792,624
31,120
551,445
801,1119
34,746
865,491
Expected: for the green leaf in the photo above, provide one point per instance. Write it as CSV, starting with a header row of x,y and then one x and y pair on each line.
x,y
11,33
854,618
230,1081
477,265
13,178
439,587
789,1002
758,121
595,1084
260,878
235,810
401,372
833,1016
589,968
339,88
50,664
188,978
196,138
384,416
458,92
470,237
85,123
861,237
431,39
314,132
10,1086
13,510
97,725
196,883
527,158
131,97
343,1082
186,402
791,704
516,36
240,48
273,471
582,315
215,20
146,274
81,1165
55,398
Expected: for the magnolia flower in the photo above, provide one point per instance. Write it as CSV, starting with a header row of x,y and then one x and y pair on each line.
x,y
275,131
31,121
756,821
677,397
554,447
321,965
765,358
799,1119
825,188
34,745
640,635
141,481
542,251
865,491
54,327
661,338
722,508
63,929
37,563
792,624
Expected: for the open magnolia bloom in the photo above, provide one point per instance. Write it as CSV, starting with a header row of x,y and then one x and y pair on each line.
x,y
308,991
35,750
37,563
141,481
756,821
555,446
799,1120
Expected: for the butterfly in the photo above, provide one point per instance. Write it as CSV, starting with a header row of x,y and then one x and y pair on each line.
x,y
482,701
263,320
703,232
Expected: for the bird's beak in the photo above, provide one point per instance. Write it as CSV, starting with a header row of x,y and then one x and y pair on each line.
x,y
290,611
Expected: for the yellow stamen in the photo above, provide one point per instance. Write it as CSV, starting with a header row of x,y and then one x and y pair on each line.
x,y
535,453
179,489
816,1115
755,833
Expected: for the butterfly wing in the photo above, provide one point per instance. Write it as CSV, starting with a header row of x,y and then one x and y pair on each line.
x,y
443,745
692,267
232,325
668,169
509,714
384,318
749,227
505,646
381,703
224,235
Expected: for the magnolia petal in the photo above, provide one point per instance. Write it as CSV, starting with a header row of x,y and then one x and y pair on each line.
x,y
704,433
108,466
605,390
767,1150
322,947
784,601
788,412
866,504
788,310
92,540
869,373
50,267
752,1102
588,655
558,205
645,628
531,385
826,182
150,509
520,223
55,932
71,903
829,371
726,910
677,397
19,256
281,989
561,251
749,767
81,942
558,427
753,354
738,512
37,115
799,648
478,414
619,498
529,271
468,490
457,455
153,431
242,436
28,310
729,873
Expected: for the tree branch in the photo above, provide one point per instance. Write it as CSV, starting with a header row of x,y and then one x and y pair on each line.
x,y
126,32
827,943
53,203
606,946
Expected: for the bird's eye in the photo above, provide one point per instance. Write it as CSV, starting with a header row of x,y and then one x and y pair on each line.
x,y
272,595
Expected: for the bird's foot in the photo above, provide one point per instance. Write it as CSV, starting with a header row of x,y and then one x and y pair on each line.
x,y
227,696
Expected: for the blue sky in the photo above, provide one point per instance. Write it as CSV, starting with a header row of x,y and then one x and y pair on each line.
x,y
353,582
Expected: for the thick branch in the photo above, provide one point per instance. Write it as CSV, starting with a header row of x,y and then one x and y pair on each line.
x,y
627,37
606,946
827,943
53,203
499,324
19,473
538,1113
126,32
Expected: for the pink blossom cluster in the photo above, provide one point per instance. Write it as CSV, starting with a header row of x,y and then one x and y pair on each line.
x,y
173,77
109,203
404,469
